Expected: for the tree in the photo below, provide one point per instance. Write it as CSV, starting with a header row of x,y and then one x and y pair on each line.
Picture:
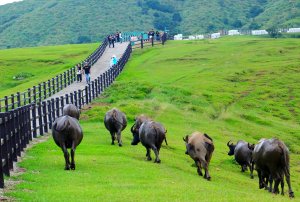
x,y
84,39
273,32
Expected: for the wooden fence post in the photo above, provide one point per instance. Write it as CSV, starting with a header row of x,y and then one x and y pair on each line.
x,y
50,109
40,92
79,98
86,95
75,99
45,118
34,120
57,106
40,115
12,98
62,104
18,99
45,91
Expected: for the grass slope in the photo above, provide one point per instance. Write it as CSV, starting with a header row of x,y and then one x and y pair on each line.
x,y
232,88
39,64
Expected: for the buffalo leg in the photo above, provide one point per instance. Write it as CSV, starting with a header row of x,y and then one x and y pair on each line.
x,y
66,155
112,138
276,184
157,160
260,179
198,164
205,166
72,156
288,181
119,138
270,180
251,165
282,185
251,170
148,154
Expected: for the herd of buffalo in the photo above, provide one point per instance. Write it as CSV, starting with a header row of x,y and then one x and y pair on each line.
x,y
270,156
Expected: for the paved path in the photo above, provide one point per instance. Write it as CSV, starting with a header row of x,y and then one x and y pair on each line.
x,y
97,69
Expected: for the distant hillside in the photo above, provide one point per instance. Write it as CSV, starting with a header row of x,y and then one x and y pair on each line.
x,y
48,22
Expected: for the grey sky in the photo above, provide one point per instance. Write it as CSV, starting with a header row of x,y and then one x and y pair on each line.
x,y
2,2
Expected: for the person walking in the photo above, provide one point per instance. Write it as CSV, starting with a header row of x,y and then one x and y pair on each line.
x,y
87,72
113,40
109,38
118,36
79,73
113,61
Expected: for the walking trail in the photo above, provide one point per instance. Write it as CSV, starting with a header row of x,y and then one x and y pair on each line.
x,y
97,69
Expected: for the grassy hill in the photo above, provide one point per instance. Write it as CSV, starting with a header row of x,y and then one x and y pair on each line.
x,y
233,88
48,22
37,65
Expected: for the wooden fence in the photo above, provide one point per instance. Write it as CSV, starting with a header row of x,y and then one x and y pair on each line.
x,y
19,125
28,115
47,89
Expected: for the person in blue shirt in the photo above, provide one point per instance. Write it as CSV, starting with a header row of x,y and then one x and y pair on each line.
x,y
113,60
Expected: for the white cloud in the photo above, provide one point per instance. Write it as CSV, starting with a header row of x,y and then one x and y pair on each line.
x,y
2,2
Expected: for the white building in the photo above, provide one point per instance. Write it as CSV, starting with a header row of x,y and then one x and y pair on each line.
x,y
215,35
259,32
233,32
191,37
178,37
199,36
293,30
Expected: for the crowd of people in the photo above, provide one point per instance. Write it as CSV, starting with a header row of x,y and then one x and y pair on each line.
x,y
113,38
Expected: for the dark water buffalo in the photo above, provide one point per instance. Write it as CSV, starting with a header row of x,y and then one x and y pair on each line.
x,y
242,154
200,148
115,121
271,157
151,134
71,110
139,120
67,133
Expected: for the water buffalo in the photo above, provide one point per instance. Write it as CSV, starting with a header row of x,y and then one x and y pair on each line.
x,y
115,121
242,154
271,157
151,134
139,120
71,110
67,133
200,148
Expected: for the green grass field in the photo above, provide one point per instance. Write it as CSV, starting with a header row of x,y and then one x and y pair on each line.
x,y
232,88
37,64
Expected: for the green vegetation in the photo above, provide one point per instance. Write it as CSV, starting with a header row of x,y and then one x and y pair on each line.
x,y
21,69
48,22
233,88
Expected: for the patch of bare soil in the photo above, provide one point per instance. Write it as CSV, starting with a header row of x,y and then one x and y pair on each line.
x,y
10,183
90,106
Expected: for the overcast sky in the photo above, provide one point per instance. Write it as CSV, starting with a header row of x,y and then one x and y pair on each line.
x,y
2,2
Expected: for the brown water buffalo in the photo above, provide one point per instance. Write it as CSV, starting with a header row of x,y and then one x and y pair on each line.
x,y
271,157
242,154
151,134
67,133
115,121
139,120
71,110
200,148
